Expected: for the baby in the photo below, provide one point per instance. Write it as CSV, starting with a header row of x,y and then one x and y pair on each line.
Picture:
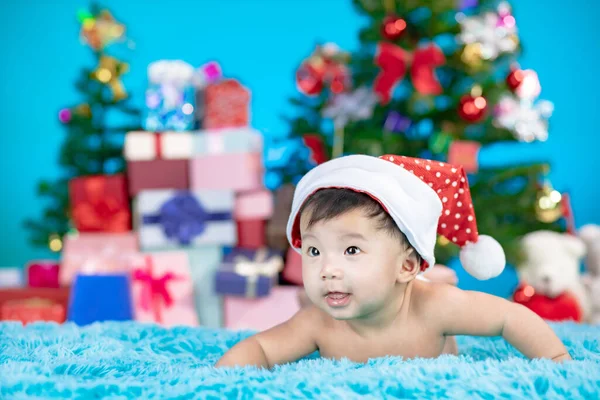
x,y
366,228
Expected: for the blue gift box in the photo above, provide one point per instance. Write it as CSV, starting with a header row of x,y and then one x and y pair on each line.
x,y
248,273
169,108
96,298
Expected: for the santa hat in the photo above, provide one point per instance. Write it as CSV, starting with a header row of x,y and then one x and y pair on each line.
x,y
424,198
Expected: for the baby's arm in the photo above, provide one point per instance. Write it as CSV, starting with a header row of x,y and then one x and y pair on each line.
x,y
479,314
283,343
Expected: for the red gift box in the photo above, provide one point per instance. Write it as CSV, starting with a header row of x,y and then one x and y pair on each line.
x,y
227,105
34,304
157,174
100,204
32,310
251,234
42,274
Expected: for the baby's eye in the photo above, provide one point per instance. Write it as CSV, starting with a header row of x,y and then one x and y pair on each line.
x,y
352,251
313,251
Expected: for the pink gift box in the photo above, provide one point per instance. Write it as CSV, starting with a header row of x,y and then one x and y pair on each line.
x,y
235,171
262,313
465,153
292,272
42,274
96,253
253,205
162,289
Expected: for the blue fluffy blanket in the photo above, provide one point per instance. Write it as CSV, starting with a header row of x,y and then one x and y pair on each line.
x,y
129,360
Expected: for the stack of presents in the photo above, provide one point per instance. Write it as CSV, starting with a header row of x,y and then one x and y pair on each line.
x,y
188,236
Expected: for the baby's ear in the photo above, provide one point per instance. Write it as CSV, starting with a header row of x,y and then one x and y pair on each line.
x,y
409,267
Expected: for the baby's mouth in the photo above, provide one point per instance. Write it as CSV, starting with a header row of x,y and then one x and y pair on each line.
x,y
337,299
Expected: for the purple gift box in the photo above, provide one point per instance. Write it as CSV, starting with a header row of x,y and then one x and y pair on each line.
x,y
248,273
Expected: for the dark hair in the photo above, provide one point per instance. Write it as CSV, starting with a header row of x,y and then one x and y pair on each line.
x,y
326,204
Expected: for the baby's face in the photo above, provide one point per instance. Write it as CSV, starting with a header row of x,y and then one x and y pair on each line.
x,y
349,266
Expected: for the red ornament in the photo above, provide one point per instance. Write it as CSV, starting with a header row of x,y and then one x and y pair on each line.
x,y
472,108
308,80
565,307
515,78
393,27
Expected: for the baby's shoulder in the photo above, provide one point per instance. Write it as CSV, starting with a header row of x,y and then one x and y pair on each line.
x,y
429,297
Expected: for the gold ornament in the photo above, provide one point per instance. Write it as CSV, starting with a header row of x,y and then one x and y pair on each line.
x,y
442,241
472,56
55,242
548,206
100,31
109,72
83,110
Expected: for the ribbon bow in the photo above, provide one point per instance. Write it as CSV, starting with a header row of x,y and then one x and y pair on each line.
x,y
261,265
154,290
394,61
183,218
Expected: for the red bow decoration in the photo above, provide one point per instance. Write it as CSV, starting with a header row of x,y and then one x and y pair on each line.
x,y
325,67
154,290
393,61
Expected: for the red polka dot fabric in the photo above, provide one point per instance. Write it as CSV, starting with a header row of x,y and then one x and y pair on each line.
x,y
457,222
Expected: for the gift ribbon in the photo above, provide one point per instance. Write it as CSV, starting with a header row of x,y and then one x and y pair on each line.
x,y
154,290
183,218
261,265
158,145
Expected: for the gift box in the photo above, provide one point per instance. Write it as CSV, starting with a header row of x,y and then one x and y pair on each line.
x,y
204,263
227,140
147,146
235,171
292,272
15,296
465,153
98,298
253,205
100,204
11,277
171,219
157,174
42,273
251,233
96,253
226,105
276,235
262,313
162,289
248,273
169,108
32,310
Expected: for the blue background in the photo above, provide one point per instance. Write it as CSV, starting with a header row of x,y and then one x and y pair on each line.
x,y
261,42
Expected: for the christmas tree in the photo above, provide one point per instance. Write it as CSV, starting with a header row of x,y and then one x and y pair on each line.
x,y
438,80
91,146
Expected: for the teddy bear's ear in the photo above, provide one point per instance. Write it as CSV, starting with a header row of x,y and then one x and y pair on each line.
x,y
590,233
574,245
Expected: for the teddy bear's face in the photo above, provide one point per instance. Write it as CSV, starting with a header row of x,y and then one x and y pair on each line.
x,y
552,261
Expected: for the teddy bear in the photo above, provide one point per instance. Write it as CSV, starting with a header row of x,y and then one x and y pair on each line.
x,y
550,276
590,234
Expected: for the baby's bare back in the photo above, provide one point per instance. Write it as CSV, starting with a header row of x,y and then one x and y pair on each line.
x,y
410,335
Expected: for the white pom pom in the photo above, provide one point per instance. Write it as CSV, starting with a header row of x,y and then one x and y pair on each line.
x,y
484,259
